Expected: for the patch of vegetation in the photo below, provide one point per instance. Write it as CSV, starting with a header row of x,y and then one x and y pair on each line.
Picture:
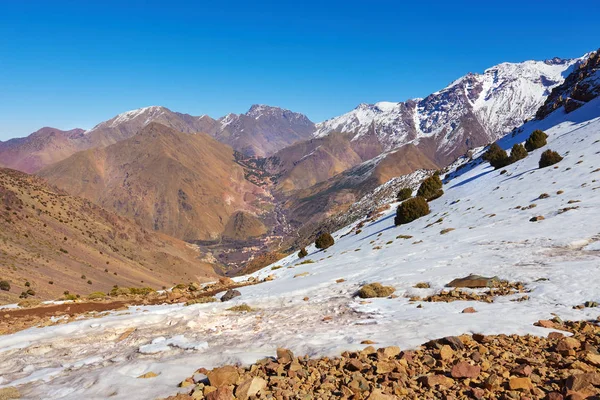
x,y
444,231
305,262
431,188
375,289
302,253
4,285
536,140
496,156
548,158
404,237
404,194
70,297
275,267
517,153
410,210
144,291
544,196
202,300
324,241
422,285
96,295
29,303
241,308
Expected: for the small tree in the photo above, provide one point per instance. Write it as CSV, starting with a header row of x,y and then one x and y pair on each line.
x,y
549,158
410,210
404,193
536,140
4,285
496,156
324,241
517,153
431,188
302,253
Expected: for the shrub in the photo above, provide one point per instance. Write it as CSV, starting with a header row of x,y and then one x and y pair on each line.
x,y
431,188
70,297
496,156
404,193
141,291
241,308
536,140
324,241
549,158
375,290
96,295
410,210
202,300
517,153
302,253
4,285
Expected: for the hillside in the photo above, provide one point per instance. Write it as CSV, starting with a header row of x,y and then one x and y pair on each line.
x,y
184,185
481,225
58,242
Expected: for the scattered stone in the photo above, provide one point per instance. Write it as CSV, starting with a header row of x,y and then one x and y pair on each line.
x,y
465,370
250,387
148,375
474,281
223,376
230,294
284,356
469,310
520,384
537,218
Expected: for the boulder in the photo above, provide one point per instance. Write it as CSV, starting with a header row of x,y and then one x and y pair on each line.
x,y
284,356
474,281
224,376
465,370
250,387
222,393
230,294
520,384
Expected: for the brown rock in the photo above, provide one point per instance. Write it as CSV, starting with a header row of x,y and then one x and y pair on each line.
x,y
474,281
545,323
554,396
446,352
148,375
465,370
222,393
250,387
388,352
224,376
354,365
520,384
284,356
582,381
385,367
593,359
432,381
377,394
523,370
555,335
492,382
368,342
454,342
567,345
537,218
469,310
9,393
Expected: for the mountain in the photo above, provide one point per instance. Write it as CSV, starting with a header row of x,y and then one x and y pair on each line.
x,y
473,110
263,130
58,242
43,147
184,185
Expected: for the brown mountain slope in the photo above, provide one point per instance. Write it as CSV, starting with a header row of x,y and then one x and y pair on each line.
x,y
184,185
57,242
43,147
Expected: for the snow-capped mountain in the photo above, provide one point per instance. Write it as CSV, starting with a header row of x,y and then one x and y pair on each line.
x,y
473,110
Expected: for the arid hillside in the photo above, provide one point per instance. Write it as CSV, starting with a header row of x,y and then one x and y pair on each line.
x,y
51,242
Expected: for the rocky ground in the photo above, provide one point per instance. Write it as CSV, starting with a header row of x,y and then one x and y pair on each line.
x,y
563,365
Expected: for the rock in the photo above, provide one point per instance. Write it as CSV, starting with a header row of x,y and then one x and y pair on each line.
x,y
554,396
225,281
230,294
567,345
465,370
9,393
300,275
222,393
454,342
388,352
520,384
538,218
224,376
582,381
593,359
368,342
385,367
555,335
270,278
474,281
432,381
284,356
492,382
250,387
377,394
469,310
148,375
446,352
354,365
523,370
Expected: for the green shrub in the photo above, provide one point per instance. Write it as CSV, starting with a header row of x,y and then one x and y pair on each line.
x,y
517,153
144,291
302,253
241,308
404,193
202,300
4,285
410,210
324,241
70,297
496,156
375,290
536,140
549,158
431,188
117,291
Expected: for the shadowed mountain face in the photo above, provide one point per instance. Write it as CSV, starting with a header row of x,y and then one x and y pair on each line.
x,y
58,242
185,185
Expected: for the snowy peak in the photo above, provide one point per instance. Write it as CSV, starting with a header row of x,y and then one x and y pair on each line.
x,y
473,110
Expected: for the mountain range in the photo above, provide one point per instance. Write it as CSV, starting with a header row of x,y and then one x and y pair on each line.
x,y
268,179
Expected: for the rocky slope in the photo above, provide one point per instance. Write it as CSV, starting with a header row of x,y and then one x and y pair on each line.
x,y
186,186
52,242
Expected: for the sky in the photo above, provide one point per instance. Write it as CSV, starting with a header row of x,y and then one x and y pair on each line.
x,y
70,64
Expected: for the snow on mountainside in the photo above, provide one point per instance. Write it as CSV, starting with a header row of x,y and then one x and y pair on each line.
x,y
557,259
476,107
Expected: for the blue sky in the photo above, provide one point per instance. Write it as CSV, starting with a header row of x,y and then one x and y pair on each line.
x,y
73,64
